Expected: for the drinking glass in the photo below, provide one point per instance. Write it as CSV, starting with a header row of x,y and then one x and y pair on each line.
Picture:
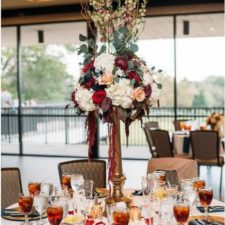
x,y
160,174
40,204
55,213
159,190
181,210
33,187
198,183
190,194
77,182
25,205
172,191
205,197
186,182
80,202
120,214
88,188
166,210
46,188
66,181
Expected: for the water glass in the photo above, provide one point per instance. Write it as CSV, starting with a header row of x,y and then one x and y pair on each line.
x,y
186,182
46,188
172,191
77,182
166,210
88,188
40,204
160,190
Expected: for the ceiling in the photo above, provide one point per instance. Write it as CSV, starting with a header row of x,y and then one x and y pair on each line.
x,y
19,4
208,25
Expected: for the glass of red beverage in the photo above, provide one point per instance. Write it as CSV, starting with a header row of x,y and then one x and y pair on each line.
x,y
121,217
181,211
205,196
25,206
34,187
55,214
198,183
66,181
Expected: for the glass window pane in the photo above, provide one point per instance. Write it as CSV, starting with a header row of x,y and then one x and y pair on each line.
x,y
9,98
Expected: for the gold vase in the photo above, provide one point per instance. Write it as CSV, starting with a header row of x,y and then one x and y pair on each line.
x,y
118,179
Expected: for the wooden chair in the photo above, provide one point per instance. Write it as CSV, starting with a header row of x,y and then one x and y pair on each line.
x,y
147,127
11,186
91,170
206,149
163,146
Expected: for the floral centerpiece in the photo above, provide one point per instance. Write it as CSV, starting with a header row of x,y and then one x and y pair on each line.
x,y
115,84
216,122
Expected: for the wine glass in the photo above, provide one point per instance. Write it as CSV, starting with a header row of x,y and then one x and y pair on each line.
x,y
33,187
66,181
40,204
25,205
181,210
198,183
77,182
46,188
205,197
55,213
120,214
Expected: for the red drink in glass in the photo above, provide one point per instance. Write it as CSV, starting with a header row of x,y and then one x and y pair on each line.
x,y
199,184
121,217
181,213
205,197
25,204
66,181
34,187
55,214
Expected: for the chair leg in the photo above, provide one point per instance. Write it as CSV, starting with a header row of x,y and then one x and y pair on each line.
x,y
198,170
221,177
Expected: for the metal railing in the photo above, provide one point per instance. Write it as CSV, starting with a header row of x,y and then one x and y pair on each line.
x,y
48,125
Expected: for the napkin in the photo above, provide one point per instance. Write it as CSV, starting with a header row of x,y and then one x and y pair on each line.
x,y
137,193
204,222
211,209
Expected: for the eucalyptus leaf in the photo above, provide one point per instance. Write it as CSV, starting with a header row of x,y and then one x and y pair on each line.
x,y
134,48
159,71
91,42
102,50
130,65
132,82
153,68
159,86
82,37
84,48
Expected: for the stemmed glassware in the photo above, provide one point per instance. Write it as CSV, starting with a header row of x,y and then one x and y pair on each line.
x,y
181,210
40,204
33,187
46,188
55,213
25,205
205,197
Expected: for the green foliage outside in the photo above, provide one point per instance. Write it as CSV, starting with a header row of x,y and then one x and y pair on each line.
x,y
44,75
45,79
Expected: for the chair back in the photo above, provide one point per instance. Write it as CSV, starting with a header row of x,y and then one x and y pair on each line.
x,y
185,168
11,186
150,143
91,170
205,144
161,142
151,125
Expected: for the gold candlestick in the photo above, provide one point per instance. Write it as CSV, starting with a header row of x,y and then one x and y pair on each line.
x,y
118,178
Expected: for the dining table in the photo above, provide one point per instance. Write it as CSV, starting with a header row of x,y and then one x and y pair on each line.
x,y
135,201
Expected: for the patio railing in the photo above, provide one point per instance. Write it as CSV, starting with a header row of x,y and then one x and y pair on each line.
x,y
59,125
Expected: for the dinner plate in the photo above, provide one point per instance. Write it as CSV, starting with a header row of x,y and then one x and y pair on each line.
x,y
15,215
102,192
199,220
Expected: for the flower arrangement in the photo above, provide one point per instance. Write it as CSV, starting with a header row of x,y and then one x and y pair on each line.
x,y
114,80
216,122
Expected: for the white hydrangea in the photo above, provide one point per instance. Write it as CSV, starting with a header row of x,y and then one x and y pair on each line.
x,y
105,62
84,99
121,93
120,73
147,76
155,93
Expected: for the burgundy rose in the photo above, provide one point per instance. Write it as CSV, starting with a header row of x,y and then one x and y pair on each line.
x,y
133,75
122,63
88,67
99,96
89,83
148,90
73,98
